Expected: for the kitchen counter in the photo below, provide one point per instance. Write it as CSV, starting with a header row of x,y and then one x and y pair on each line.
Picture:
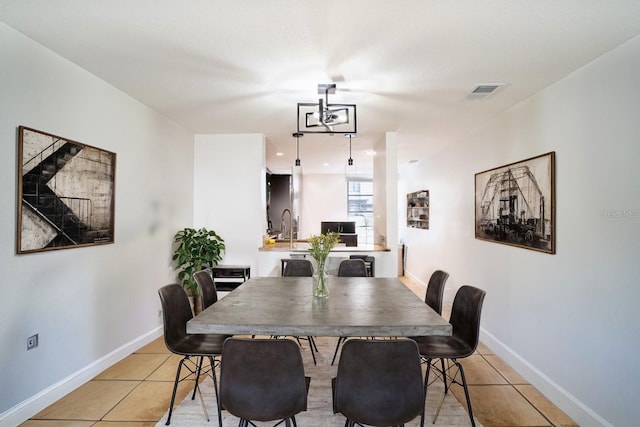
x,y
270,257
302,246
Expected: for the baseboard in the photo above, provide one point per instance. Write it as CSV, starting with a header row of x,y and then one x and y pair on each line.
x,y
39,401
578,411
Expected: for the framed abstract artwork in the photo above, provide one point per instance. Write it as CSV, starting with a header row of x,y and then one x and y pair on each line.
x,y
515,204
66,193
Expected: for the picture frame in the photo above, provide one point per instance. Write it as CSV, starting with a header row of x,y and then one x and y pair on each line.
x,y
418,209
515,204
66,193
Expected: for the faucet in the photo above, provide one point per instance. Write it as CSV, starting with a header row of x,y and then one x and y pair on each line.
x,y
290,226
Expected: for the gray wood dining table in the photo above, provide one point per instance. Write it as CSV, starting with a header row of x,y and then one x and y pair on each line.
x,y
356,306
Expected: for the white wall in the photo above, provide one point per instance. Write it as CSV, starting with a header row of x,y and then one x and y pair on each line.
x,y
568,322
230,193
323,198
90,306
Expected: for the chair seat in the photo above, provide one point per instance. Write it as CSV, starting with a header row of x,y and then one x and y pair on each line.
x,y
436,347
199,344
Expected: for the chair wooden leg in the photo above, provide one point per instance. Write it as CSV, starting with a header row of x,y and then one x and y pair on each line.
x,y
204,407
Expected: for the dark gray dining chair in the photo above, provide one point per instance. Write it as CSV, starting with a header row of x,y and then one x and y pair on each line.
x,y
206,287
379,382
263,380
176,312
435,290
352,268
302,268
434,298
465,320
369,262
349,268
298,268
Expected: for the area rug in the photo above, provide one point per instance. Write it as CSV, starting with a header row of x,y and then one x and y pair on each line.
x,y
319,411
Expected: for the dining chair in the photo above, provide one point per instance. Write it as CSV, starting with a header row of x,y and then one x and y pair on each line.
x,y
206,287
302,268
379,382
355,267
465,320
369,262
433,298
298,268
352,268
435,290
176,312
263,380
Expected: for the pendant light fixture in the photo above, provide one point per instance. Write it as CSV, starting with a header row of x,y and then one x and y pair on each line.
x,y
297,135
324,117
350,169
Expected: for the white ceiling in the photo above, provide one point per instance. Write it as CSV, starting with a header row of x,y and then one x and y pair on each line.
x,y
242,66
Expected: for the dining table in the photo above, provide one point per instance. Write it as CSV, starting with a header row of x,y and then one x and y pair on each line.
x,y
355,307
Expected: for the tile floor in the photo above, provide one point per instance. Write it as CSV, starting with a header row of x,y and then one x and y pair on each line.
x,y
136,392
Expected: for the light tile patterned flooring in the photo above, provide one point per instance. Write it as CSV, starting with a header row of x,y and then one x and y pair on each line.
x,y
136,392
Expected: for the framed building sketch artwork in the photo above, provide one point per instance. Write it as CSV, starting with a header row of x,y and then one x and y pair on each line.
x,y
515,204
66,193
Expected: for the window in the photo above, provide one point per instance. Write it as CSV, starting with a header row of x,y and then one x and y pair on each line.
x,y
360,208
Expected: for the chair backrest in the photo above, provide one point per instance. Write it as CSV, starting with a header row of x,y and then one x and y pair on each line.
x,y
435,290
298,268
262,379
206,286
379,382
465,317
352,268
176,312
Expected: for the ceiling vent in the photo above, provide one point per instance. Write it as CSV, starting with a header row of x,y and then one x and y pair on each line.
x,y
484,90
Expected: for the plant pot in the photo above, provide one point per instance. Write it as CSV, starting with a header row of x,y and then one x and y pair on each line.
x,y
196,305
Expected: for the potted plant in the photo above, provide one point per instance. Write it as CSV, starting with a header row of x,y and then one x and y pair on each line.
x,y
195,250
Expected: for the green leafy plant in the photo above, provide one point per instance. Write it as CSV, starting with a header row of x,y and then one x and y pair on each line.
x,y
195,250
320,245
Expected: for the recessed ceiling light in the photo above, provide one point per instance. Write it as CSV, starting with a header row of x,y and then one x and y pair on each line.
x,y
279,153
325,164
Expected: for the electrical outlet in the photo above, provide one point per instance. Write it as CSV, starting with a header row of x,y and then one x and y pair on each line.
x,y
32,342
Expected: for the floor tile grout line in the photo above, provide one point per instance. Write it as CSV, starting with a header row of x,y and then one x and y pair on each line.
x,y
496,370
140,382
534,405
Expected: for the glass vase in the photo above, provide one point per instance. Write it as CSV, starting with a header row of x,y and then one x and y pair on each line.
x,y
320,278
